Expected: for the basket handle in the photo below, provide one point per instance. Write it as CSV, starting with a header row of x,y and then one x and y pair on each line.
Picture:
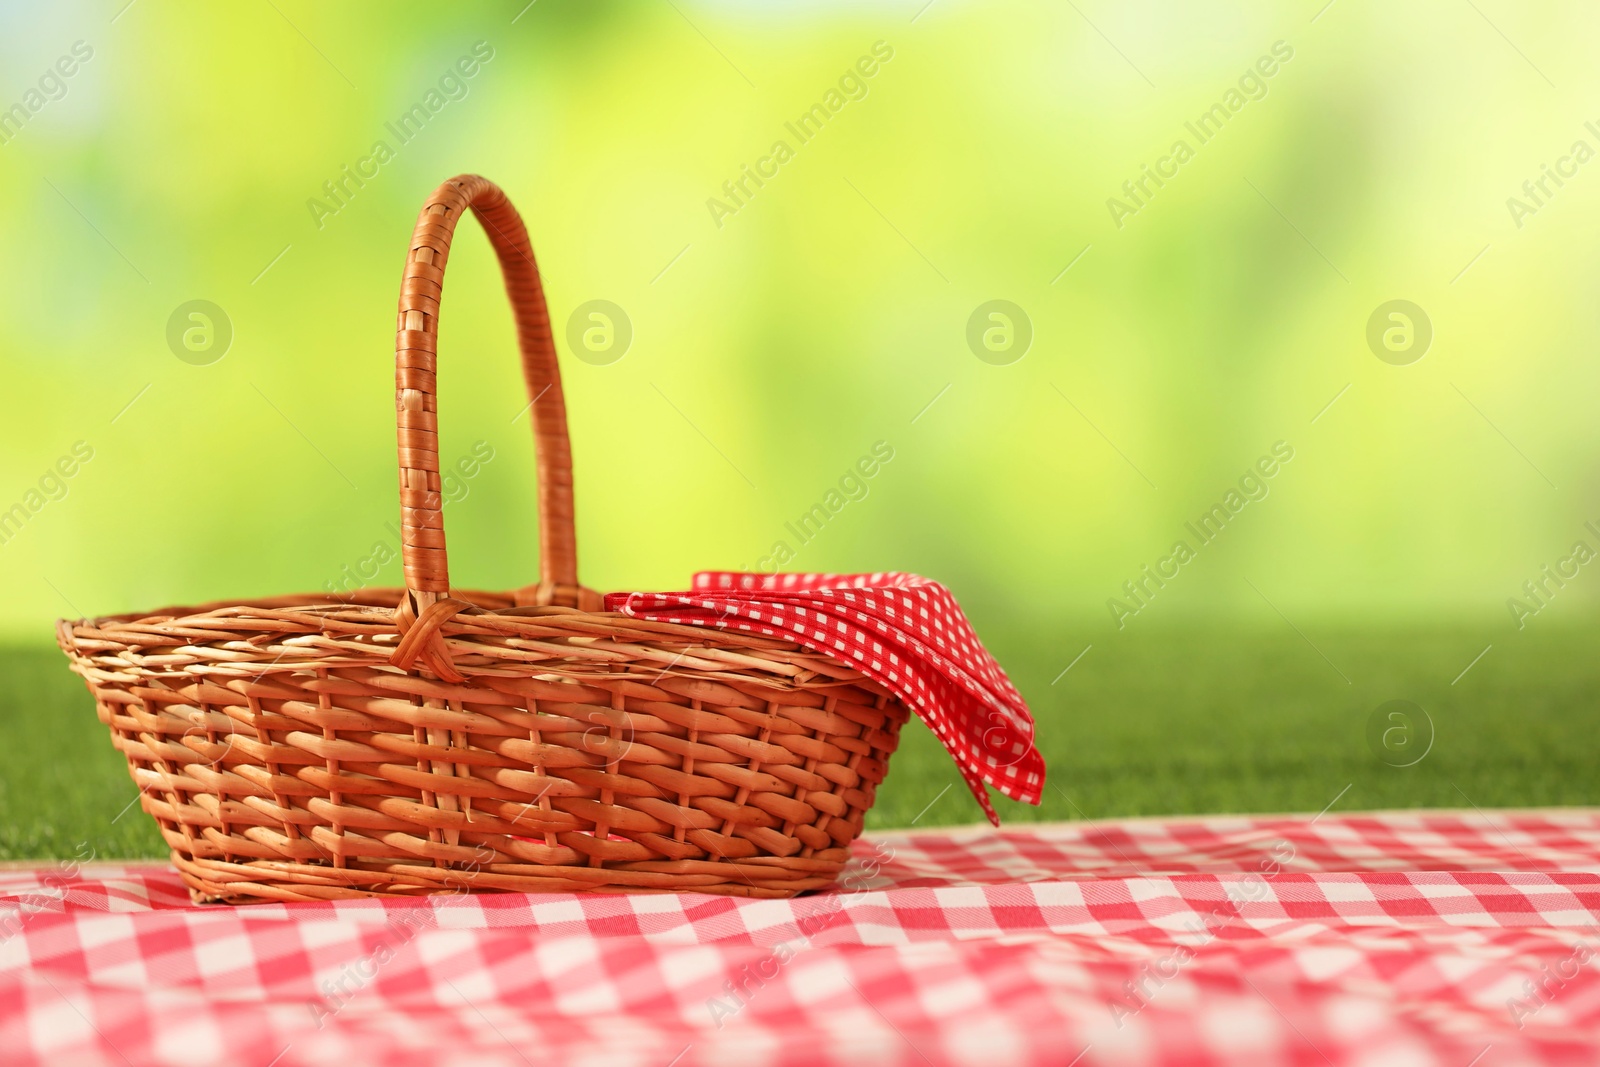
x,y
416,402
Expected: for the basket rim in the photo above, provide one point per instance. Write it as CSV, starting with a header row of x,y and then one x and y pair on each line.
x,y
370,612
386,600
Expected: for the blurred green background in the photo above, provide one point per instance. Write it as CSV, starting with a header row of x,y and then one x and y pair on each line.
x,y
776,337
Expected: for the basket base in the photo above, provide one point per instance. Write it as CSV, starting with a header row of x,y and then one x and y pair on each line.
x,y
261,882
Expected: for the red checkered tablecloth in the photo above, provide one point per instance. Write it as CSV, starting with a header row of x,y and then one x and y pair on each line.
x,y
1387,939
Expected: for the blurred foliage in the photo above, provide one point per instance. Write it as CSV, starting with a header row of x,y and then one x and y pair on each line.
x,y
773,346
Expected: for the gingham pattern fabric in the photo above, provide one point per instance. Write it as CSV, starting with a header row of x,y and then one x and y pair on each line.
x,y
1400,939
906,633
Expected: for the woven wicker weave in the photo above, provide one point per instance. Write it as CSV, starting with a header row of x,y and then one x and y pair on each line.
x,y
424,740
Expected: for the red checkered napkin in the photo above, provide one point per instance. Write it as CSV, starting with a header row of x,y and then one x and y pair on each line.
x,y
904,632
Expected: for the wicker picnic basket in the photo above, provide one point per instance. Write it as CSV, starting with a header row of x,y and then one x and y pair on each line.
x,y
429,740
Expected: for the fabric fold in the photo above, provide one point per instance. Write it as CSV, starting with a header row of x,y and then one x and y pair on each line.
x,y
905,632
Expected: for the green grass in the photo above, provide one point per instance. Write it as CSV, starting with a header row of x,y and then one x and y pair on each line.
x,y
62,785
1151,721
1208,719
